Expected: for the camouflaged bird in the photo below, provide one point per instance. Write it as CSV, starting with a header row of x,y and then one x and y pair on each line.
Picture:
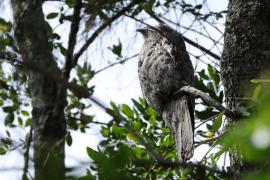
x,y
165,67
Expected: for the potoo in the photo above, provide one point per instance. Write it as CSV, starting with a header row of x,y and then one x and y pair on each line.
x,y
165,67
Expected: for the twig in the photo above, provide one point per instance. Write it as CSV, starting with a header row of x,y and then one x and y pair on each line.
x,y
26,154
185,38
101,28
94,122
206,120
72,37
210,53
197,144
113,64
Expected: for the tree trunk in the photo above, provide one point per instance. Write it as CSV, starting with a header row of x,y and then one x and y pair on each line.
x,y
48,97
246,55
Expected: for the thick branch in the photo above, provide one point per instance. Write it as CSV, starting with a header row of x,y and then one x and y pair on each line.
x,y
198,93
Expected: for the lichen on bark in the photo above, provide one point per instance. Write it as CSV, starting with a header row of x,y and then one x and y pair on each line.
x,y
246,54
48,96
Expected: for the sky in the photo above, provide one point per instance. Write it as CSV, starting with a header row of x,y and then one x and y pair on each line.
x,y
119,83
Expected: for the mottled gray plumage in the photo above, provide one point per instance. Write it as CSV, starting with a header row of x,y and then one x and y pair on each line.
x,y
165,67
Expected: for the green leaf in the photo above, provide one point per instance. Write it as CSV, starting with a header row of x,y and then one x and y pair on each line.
x,y
256,93
91,153
118,132
8,133
28,122
133,138
203,75
69,139
115,108
117,49
52,15
3,150
20,121
56,36
217,123
4,26
9,109
199,84
9,119
148,6
62,49
25,113
3,85
256,81
86,118
138,105
127,111
1,102
70,3
213,74
105,131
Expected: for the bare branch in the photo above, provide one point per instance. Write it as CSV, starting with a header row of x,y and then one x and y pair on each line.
x,y
210,53
198,93
119,62
101,28
72,37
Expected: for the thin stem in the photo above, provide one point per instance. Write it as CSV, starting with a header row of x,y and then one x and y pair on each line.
x,y
26,154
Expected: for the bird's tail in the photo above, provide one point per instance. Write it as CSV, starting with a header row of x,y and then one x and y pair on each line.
x,y
178,117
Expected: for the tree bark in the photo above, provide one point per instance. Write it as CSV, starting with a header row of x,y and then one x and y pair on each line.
x,y
47,96
246,55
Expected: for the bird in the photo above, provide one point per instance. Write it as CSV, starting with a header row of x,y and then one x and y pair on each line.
x,y
164,67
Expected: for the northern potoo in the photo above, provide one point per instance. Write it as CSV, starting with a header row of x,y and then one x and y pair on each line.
x,y
165,67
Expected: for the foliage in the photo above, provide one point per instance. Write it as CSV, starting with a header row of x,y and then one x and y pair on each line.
x,y
135,132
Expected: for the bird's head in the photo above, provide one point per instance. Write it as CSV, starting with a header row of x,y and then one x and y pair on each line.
x,y
150,32
147,32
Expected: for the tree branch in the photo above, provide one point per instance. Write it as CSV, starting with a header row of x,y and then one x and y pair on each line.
x,y
101,28
72,38
210,53
154,16
198,93
79,91
113,64
166,163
